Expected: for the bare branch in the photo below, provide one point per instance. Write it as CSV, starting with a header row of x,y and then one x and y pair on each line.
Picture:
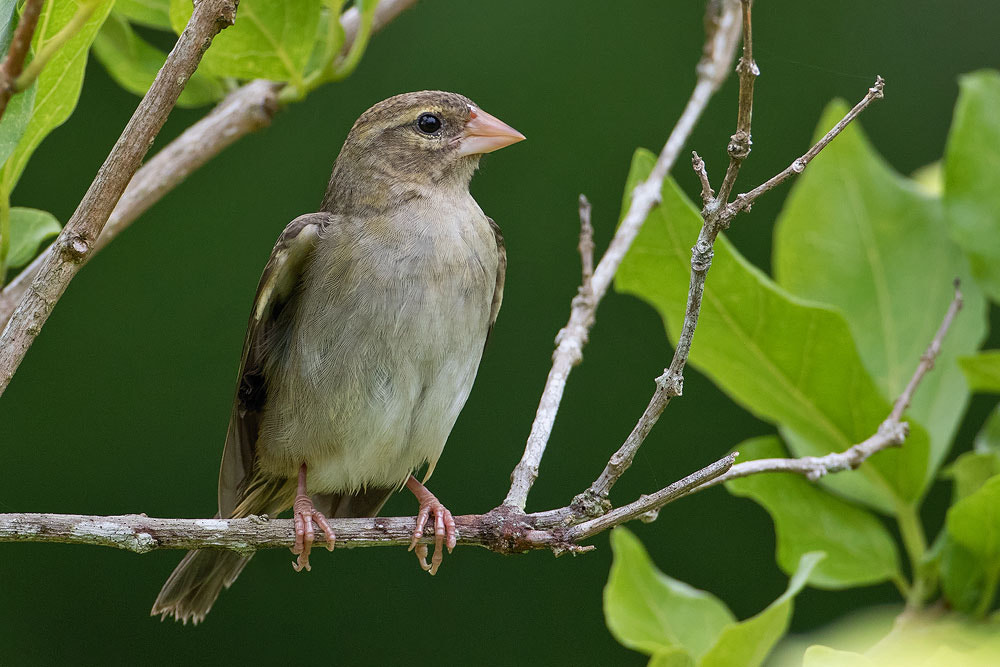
x,y
740,143
718,53
77,239
501,530
13,63
891,433
707,194
743,201
247,109
586,245
716,216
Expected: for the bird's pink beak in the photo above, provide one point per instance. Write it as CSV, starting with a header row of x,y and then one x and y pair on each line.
x,y
485,133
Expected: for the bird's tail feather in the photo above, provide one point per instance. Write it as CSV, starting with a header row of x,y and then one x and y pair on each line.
x,y
196,582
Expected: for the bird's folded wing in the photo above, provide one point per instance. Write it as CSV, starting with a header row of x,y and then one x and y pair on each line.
x,y
501,274
276,300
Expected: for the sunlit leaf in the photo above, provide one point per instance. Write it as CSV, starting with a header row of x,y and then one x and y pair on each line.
x,y
747,643
983,370
859,550
270,40
974,521
154,13
972,176
133,63
824,656
858,236
58,85
789,361
650,612
29,229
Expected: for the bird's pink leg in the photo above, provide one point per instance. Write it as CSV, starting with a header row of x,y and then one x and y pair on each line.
x,y
304,513
444,526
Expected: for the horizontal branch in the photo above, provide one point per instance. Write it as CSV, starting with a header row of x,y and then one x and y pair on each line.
x,y
502,530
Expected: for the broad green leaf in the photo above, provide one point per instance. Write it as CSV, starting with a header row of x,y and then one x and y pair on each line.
x,y
962,574
974,522
153,13
29,228
970,471
988,438
133,63
58,85
858,236
859,549
972,176
747,643
824,656
8,21
270,40
15,120
983,370
650,612
676,657
787,360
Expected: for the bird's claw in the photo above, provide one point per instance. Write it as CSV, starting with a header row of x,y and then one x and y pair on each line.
x,y
445,533
304,516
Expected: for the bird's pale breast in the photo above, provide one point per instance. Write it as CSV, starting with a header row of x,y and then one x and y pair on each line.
x,y
393,320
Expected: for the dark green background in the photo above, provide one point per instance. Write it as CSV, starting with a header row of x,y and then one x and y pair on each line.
x,y
121,405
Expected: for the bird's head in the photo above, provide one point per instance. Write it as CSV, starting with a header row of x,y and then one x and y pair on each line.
x,y
427,138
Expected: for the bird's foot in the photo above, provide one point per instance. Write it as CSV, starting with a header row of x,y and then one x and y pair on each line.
x,y
445,533
304,516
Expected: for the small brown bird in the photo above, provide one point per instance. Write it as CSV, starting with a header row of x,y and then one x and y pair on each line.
x,y
364,339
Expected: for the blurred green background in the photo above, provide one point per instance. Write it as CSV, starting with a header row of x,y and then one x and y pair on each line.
x,y
122,403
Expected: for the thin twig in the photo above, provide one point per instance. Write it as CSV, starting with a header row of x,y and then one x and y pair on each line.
x,y
743,201
740,142
716,216
707,194
586,244
13,63
77,239
712,71
891,433
247,109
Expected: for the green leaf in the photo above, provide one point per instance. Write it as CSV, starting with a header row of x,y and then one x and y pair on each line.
x,y
930,179
676,657
650,612
824,656
858,236
15,120
962,575
974,521
270,40
153,13
133,63
971,470
859,549
58,85
788,361
988,438
8,21
29,228
972,176
747,643
982,371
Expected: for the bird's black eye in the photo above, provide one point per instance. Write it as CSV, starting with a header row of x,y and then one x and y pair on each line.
x,y
428,123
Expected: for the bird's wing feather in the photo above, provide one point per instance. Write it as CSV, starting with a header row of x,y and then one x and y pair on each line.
x,y
501,275
277,295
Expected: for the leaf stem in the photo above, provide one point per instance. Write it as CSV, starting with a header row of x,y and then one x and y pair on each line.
x,y
915,544
44,55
